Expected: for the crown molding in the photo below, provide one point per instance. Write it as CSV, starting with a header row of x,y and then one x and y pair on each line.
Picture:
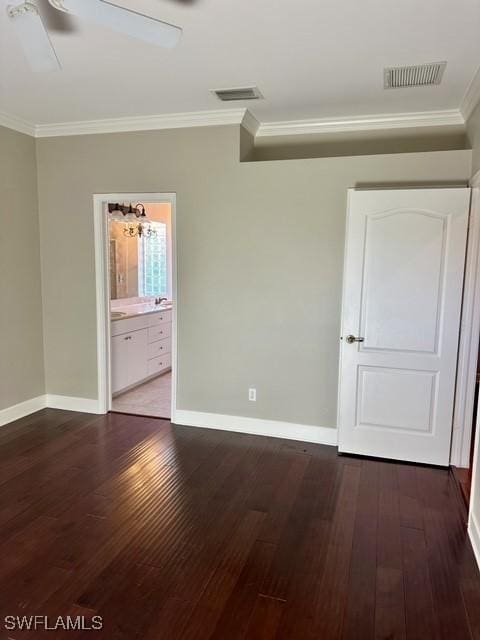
x,y
245,118
362,123
17,124
250,123
142,123
471,97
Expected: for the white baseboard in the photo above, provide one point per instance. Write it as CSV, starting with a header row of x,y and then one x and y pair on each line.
x,y
474,534
23,409
84,405
10,414
272,428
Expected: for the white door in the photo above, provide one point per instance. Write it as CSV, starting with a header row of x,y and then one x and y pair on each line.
x,y
404,267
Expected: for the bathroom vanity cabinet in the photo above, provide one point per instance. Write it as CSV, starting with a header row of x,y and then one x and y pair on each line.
x,y
141,348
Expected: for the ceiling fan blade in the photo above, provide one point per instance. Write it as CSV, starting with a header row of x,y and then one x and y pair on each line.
x,y
122,20
33,37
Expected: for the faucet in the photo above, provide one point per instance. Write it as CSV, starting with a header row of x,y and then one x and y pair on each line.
x,y
160,300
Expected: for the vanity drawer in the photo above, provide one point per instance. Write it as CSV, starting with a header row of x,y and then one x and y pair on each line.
x,y
154,319
160,332
156,365
128,324
159,348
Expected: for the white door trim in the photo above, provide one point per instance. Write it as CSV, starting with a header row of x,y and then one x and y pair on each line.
x,y
102,287
469,339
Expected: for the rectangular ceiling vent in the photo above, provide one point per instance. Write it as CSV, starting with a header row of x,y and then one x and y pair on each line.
x,y
421,75
244,93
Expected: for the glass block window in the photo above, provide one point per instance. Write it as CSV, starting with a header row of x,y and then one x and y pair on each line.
x,y
153,263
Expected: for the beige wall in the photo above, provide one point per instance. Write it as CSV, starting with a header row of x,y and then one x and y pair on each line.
x,y
473,130
359,143
21,343
260,257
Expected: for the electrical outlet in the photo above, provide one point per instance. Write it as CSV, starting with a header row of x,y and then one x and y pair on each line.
x,y
252,395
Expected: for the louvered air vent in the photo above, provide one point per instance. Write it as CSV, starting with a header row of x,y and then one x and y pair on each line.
x,y
421,75
246,93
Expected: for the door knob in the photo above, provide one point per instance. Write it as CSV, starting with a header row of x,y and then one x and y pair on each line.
x,y
351,339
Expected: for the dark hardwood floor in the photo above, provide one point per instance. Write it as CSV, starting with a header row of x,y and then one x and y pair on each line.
x,y
172,533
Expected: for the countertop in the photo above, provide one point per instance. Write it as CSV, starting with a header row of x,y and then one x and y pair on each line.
x,y
135,310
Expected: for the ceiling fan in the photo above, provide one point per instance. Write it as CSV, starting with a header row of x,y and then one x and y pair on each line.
x,y
38,48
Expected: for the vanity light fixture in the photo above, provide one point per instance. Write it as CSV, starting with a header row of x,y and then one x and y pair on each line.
x,y
136,222
139,229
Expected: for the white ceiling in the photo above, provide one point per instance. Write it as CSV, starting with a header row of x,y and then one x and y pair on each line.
x,y
310,59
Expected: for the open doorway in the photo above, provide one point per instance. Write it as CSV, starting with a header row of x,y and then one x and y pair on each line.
x,y
135,251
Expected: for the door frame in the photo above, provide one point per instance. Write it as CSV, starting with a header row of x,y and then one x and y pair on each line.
x,y
102,287
469,339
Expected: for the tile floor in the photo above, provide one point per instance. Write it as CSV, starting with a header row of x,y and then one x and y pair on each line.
x,y
150,399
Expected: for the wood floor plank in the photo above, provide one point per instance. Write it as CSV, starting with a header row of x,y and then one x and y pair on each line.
x,y
265,618
390,587
333,592
409,500
304,588
444,531
389,605
203,620
389,548
284,498
276,583
420,616
359,617
236,613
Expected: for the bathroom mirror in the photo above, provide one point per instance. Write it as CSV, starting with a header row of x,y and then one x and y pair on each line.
x,y
124,261
140,265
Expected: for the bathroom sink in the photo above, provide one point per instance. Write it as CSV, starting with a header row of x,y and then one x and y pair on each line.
x,y
140,309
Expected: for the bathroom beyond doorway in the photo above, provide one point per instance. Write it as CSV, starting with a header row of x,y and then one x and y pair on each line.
x,y
141,301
